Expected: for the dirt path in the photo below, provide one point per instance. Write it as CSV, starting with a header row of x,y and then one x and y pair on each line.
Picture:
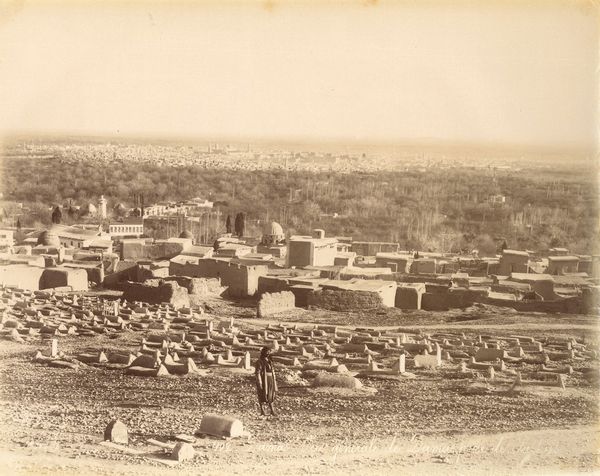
x,y
547,451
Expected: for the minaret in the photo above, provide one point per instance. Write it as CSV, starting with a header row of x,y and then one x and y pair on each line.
x,y
102,206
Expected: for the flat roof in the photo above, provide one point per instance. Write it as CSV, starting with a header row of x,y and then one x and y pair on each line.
x,y
515,252
563,258
358,284
531,277
393,255
316,241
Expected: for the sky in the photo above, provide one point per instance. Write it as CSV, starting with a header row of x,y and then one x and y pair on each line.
x,y
479,72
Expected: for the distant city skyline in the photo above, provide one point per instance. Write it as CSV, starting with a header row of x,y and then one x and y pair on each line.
x,y
501,73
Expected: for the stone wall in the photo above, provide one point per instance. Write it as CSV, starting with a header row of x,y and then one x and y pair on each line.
x,y
197,286
572,305
155,292
272,284
76,279
436,301
271,304
241,280
344,300
150,251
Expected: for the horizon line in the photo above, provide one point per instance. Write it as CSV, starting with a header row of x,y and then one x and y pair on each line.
x,y
298,140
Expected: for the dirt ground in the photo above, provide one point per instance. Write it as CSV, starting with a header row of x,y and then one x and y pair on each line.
x,y
53,419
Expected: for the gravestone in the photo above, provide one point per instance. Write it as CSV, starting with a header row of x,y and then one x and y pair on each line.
x,y
116,431
183,452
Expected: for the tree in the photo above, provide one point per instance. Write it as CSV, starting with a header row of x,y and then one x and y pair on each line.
x,y
240,224
228,224
56,215
18,224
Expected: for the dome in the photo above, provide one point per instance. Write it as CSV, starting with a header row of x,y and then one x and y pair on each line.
x,y
274,229
186,234
47,238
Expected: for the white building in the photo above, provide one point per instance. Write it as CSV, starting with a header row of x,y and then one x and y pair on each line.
x,y
128,227
7,238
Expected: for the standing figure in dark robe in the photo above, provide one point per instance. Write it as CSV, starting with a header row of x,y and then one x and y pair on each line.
x,y
266,383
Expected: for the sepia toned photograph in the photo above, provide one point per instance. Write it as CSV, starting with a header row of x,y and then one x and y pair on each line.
x,y
299,237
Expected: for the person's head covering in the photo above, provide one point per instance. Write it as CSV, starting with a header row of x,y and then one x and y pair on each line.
x,y
264,351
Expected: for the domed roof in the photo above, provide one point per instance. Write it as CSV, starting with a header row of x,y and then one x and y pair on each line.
x,y
274,229
48,238
186,234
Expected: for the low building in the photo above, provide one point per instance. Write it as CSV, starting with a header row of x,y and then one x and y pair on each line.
x,y
371,248
145,249
541,284
35,278
7,239
70,236
513,261
241,280
309,251
127,227
398,263
384,290
562,264
423,266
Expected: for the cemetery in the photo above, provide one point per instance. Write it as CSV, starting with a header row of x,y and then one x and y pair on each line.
x,y
170,384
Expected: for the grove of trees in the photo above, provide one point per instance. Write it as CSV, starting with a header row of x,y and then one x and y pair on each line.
x,y
446,210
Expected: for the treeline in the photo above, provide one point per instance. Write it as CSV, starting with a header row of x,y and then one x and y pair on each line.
x,y
447,209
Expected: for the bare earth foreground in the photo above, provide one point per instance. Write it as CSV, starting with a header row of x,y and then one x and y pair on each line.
x,y
53,419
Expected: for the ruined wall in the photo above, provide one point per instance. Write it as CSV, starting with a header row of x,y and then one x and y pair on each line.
x,y
572,305
543,287
344,300
197,286
126,271
463,298
436,301
409,295
271,304
150,251
272,284
241,280
155,292
59,277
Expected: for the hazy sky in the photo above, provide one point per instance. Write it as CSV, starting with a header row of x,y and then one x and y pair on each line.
x,y
457,71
